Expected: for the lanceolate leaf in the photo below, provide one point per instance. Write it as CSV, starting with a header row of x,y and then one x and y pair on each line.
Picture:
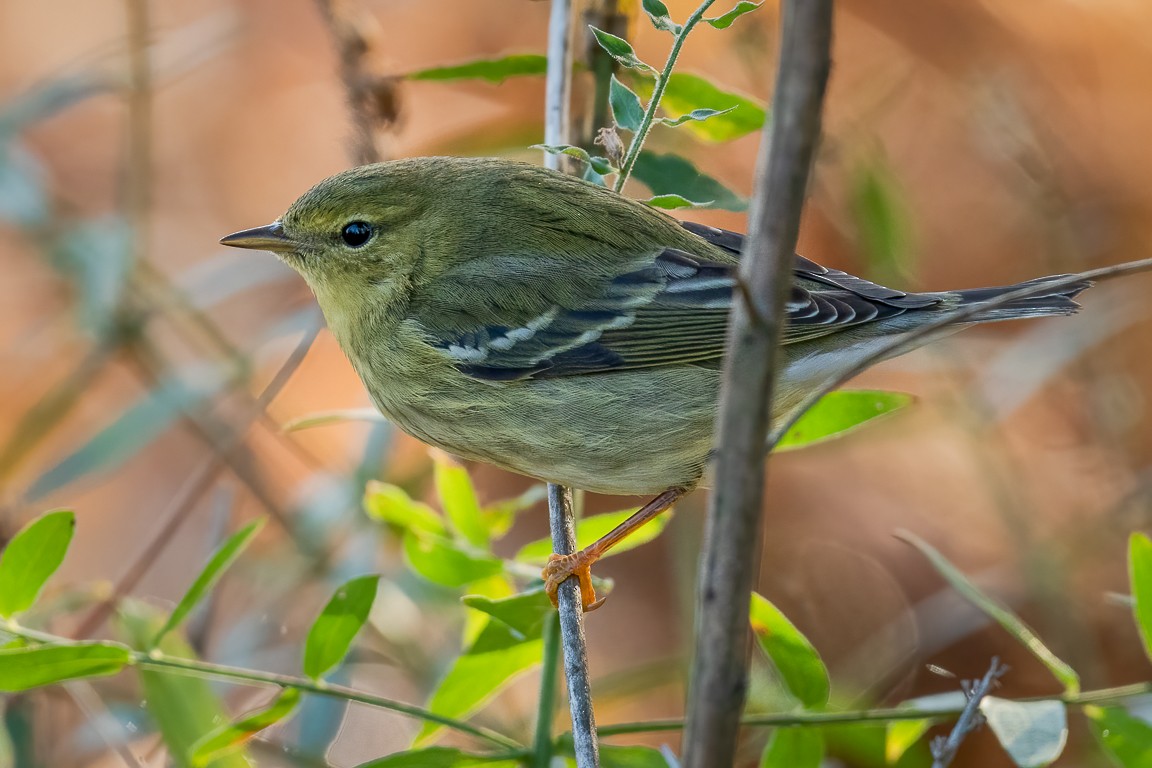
x,y
671,202
38,665
839,413
698,115
390,504
1126,737
627,110
219,562
658,13
598,164
1033,733
725,21
1140,575
332,633
524,613
794,657
458,497
492,70
619,49
793,748
674,175
32,556
687,92
232,736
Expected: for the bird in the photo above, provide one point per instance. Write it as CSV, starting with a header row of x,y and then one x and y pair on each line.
x,y
518,316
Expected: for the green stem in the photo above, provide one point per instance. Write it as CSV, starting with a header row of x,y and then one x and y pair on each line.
x,y
196,667
542,741
657,94
1099,696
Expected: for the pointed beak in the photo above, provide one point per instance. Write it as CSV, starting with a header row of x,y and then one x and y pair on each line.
x,y
267,238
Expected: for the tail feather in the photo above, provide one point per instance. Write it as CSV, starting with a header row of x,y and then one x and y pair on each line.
x,y
1059,301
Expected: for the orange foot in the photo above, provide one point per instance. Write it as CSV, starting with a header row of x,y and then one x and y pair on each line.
x,y
579,565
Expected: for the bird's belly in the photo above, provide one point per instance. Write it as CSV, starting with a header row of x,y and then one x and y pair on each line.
x,y
629,432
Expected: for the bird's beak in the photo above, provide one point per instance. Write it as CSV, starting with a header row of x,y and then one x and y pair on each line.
x,y
267,238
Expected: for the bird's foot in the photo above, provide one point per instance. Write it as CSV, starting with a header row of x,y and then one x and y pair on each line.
x,y
578,565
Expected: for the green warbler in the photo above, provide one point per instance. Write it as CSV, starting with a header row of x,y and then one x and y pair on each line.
x,y
522,317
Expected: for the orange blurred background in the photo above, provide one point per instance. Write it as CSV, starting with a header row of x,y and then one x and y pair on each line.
x,y
1011,139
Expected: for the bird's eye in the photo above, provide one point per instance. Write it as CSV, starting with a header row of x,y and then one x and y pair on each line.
x,y
356,233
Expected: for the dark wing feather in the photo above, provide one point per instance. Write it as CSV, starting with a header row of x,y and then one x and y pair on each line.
x,y
665,308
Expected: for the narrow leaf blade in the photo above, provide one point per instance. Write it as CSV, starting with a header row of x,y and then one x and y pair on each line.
x,y
793,748
458,497
619,49
327,418
492,70
658,14
31,557
228,738
840,413
797,661
332,633
725,21
1140,576
686,92
439,757
39,665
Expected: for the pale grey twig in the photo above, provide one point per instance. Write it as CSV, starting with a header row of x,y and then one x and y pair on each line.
x,y
944,749
719,671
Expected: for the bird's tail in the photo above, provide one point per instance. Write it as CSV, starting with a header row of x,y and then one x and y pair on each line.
x,y
1058,301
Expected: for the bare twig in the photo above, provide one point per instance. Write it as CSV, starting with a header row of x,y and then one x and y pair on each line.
x,y
719,671
373,97
944,749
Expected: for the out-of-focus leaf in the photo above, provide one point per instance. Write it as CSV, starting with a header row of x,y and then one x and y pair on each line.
x,y
499,515
49,98
7,750
598,164
230,737
458,498
1004,617
627,110
37,665
673,175
631,757
620,49
698,115
1140,576
224,276
184,708
839,413
686,92
23,198
1125,737
725,21
658,13
446,562
390,504
127,435
1033,733
525,613
31,557
439,757
223,557
326,418
591,528
901,735
490,664
670,202
793,748
883,223
97,256
338,624
492,70
797,661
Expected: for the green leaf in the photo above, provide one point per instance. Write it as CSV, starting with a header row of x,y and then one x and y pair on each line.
x,y
670,202
627,110
1126,737
326,418
223,557
619,49
631,757
499,515
598,164
228,738
31,557
686,92
446,562
839,413
7,748
673,175
37,665
439,757
696,114
524,613
492,70
658,14
458,497
493,661
1033,733
793,748
332,633
591,528
389,504
725,21
901,735
1000,614
127,435
1140,576
794,657
883,222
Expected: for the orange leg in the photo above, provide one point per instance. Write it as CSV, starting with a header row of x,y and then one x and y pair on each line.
x,y
579,564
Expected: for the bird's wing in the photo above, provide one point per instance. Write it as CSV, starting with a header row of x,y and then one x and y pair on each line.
x,y
535,320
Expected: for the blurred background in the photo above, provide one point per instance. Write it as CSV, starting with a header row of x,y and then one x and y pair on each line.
x,y
967,144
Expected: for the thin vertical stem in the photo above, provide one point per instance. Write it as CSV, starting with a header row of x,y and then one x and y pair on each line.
x,y
542,741
720,667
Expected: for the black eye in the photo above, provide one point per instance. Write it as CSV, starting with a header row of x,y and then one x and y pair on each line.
x,y
356,233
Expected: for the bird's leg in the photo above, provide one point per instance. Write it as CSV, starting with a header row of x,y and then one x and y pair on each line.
x,y
579,564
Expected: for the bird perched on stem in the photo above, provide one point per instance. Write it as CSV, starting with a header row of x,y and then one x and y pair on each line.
x,y
528,319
